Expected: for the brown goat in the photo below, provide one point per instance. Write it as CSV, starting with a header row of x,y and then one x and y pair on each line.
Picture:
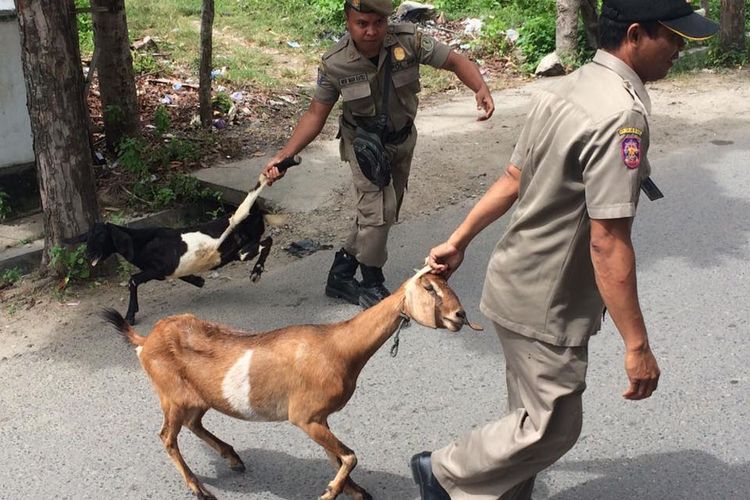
x,y
300,373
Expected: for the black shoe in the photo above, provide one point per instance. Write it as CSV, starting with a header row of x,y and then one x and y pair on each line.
x,y
371,295
341,283
372,290
421,471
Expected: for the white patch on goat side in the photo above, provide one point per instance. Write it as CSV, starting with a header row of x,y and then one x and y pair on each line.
x,y
236,387
138,351
201,255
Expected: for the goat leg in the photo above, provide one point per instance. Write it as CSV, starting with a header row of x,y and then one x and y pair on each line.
x,y
194,280
350,488
195,424
135,280
168,434
321,434
265,249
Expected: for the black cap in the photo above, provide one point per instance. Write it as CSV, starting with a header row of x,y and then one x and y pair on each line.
x,y
677,15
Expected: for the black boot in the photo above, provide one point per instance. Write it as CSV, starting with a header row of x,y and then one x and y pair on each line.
x,y
372,290
341,282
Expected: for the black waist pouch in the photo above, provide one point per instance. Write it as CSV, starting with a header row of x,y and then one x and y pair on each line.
x,y
372,157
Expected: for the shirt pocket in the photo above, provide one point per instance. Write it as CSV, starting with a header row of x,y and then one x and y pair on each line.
x,y
406,82
357,98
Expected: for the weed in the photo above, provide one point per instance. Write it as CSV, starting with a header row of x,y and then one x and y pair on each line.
x,y
117,218
85,28
124,269
70,264
114,114
5,208
222,102
144,64
12,309
162,121
10,277
131,155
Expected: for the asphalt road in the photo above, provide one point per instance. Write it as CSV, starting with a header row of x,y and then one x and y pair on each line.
x,y
78,419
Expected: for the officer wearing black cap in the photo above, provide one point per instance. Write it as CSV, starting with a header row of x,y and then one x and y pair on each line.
x,y
579,165
377,130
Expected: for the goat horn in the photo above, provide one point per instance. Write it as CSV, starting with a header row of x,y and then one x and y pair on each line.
x,y
422,272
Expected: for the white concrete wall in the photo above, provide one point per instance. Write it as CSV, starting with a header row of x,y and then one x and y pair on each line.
x,y
16,146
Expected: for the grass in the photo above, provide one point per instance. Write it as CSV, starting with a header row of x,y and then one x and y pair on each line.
x,y
250,38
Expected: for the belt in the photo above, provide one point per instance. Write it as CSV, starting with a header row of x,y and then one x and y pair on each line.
x,y
395,137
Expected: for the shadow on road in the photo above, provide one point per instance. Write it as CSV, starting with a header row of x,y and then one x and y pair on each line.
x,y
687,475
294,478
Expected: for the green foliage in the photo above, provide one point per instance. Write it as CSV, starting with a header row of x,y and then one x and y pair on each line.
x,y
222,102
114,114
162,121
85,28
5,208
10,277
144,64
72,265
537,39
131,152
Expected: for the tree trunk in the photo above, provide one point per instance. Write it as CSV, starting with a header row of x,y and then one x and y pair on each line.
x,y
732,29
54,87
204,91
706,6
590,23
566,32
115,69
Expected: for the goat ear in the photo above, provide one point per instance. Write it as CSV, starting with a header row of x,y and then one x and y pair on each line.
x,y
122,242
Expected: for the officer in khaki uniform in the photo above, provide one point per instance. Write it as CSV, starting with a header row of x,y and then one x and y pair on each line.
x,y
355,70
576,172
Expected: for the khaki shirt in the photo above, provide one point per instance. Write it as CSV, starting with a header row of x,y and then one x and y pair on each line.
x,y
582,155
344,71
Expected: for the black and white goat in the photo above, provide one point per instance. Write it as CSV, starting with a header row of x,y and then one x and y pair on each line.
x,y
162,252
182,253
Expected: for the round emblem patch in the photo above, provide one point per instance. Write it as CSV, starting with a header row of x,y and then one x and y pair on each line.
x,y
399,54
428,43
631,152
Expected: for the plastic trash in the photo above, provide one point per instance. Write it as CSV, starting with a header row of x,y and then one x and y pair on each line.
x,y
177,86
166,99
472,26
236,96
511,35
293,44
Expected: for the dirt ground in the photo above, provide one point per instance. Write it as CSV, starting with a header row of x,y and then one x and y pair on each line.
x,y
689,110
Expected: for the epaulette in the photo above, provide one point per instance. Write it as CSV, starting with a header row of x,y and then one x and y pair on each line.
x,y
338,47
400,28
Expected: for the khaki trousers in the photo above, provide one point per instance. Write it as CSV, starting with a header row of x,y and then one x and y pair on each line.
x,y
377,209
501,459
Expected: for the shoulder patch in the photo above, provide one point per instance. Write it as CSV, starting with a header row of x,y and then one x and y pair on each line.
x,y
402,28
630,148
630,131
338,47
428,43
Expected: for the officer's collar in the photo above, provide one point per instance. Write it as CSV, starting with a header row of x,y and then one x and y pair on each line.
x,y
625,72
353,54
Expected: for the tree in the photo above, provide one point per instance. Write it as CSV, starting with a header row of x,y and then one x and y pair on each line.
x,y
732,27
54,87
204,84
115,68
566,32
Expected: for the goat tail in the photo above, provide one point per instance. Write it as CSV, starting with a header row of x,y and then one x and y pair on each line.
x,y
123,327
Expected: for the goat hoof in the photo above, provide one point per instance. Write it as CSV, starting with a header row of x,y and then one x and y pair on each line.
x,y
328,495
204,494
130,320
363,495
255,277
240,467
